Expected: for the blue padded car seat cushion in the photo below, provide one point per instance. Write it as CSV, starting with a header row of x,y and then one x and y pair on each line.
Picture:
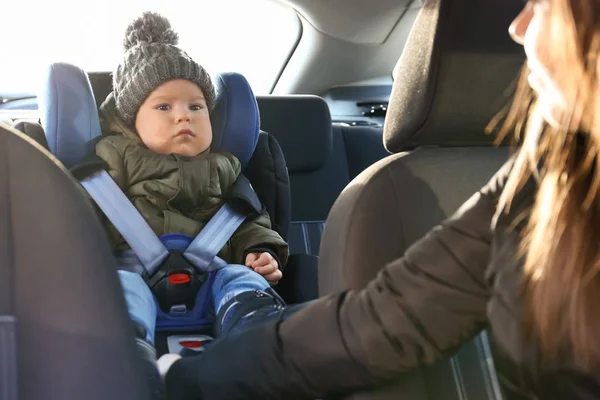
x,y
235,118
68,113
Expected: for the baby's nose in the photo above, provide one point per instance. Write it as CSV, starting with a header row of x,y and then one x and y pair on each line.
x,y
183,116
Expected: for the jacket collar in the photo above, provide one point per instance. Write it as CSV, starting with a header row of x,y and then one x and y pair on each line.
x,y
112,124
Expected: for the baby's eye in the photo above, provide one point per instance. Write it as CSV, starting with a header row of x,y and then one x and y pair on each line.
x,y
196,107
163,107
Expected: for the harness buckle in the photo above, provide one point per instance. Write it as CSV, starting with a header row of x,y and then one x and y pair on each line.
x,y
176,283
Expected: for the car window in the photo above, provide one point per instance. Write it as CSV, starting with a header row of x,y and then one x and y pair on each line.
x,y
253,37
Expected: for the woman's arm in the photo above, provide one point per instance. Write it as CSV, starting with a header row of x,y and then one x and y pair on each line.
x,y
419,309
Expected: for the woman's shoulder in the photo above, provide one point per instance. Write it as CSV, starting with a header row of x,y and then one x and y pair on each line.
x,y
512,209
497,183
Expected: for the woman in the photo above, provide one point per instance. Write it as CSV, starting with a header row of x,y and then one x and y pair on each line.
x,y
522,256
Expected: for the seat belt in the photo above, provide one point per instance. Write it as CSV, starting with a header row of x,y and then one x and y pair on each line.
x,y
127,219
202,251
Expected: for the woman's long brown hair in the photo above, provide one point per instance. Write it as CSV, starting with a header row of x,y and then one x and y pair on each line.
x,y
561,244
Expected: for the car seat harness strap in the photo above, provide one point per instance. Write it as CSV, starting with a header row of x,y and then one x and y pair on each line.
x,y
175,276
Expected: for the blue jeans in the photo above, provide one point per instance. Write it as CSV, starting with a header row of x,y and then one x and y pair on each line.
x,y
229,282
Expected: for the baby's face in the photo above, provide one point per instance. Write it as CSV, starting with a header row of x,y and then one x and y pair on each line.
x,y
174,119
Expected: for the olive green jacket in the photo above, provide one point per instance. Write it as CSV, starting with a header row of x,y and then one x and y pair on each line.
x,y
178,194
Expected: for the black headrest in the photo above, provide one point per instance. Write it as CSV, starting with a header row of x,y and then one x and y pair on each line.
x,y
33,130
101,83
454,75
302,126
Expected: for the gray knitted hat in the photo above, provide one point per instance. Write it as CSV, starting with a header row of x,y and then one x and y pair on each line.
x,y
152,58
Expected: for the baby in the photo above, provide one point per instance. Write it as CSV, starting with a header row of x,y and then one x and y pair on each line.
x,y
156,142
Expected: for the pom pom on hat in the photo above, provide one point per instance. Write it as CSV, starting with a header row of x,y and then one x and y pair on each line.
x,y
150,28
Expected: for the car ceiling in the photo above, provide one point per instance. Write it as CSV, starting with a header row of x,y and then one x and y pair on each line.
x,y
345,42
356,21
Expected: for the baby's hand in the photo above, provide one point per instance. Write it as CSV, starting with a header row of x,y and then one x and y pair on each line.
x,y
266,265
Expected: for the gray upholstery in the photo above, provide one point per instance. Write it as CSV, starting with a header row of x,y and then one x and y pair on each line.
x,y
382,212
453,77
394,203
74,339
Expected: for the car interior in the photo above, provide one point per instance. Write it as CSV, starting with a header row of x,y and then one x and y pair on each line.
x,y
371,133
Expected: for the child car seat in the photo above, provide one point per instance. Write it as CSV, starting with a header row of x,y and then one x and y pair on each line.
x,y
70,120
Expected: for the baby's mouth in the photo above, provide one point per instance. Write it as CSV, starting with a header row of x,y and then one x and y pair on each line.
x,y
185,132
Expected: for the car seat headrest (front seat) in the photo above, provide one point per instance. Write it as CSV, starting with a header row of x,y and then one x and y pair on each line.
x,y
453,75
61,306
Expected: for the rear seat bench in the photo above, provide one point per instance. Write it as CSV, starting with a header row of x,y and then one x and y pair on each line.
x,y
322,159
363,146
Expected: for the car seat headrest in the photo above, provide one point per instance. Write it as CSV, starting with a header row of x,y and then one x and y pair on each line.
x,y
69,114
454,75
32,130
101,85
302,126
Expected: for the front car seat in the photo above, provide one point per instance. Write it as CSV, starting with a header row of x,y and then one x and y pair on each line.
x,y
453,77
64,329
